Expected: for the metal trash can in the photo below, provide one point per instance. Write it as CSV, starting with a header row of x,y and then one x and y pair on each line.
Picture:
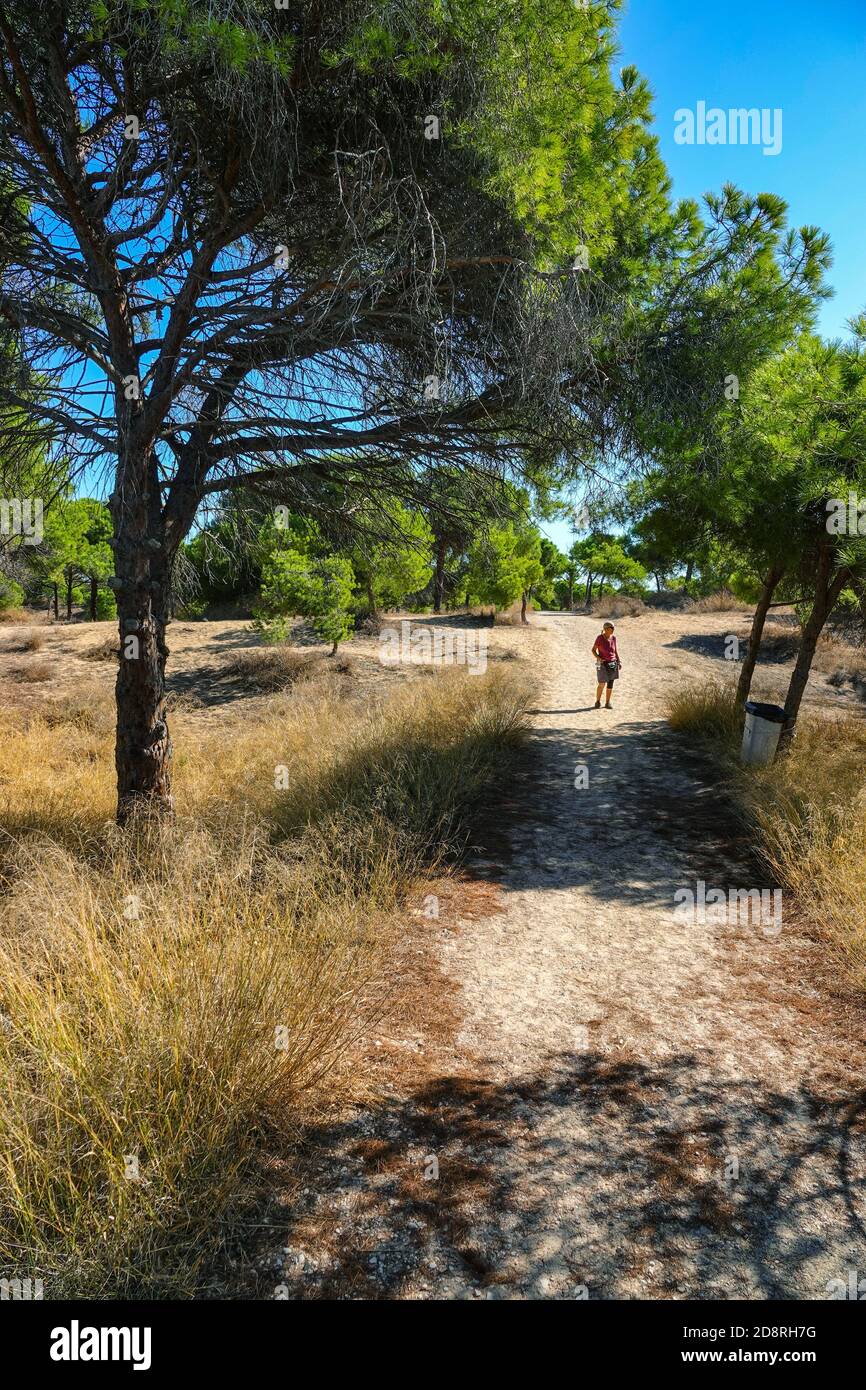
x,y
761,734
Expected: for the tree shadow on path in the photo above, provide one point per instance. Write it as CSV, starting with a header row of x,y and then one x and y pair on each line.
x,y
729,1200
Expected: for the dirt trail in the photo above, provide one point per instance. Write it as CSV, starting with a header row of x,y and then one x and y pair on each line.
x,y
576,1095
674,1111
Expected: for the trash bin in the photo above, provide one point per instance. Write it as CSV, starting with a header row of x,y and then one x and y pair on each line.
x,y
761,734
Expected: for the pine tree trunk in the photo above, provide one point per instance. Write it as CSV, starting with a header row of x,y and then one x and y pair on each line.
x,y
571,595
439,577
688,579
68,597
56,603
94,586
826,594
143,568
768,588
523,607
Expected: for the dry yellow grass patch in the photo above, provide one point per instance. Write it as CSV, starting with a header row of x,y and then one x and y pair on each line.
x,y
809,809
168,994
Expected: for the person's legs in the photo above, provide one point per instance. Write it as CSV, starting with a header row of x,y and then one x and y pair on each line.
x,y
599,688
609,693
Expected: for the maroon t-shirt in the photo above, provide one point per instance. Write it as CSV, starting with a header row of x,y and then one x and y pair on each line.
x,y
606,648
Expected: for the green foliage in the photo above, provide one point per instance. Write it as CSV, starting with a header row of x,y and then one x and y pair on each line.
x,y
744,585
568,145
397,565
106,605
553,564
798,441
318,588
11,593
189,29
504,564
603,557
74,550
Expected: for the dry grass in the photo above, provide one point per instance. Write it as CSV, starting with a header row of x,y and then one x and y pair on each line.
x,y
707,711
270,669
834,650
633,606
35,671
170,994
15,615
31,641
808,809
852,675
510,617
619,606
721,602
106,650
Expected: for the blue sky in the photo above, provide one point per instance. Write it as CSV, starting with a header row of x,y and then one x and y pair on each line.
x,y
807,59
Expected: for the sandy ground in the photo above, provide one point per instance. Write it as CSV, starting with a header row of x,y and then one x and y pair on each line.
x,y
685,1112
42,660
70,660
577,1095
619,1105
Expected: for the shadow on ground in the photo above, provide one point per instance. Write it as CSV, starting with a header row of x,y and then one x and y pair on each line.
x,y
726,1203
648,789
777,648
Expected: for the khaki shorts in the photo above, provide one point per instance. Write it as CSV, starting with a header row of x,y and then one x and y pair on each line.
x,y
606,672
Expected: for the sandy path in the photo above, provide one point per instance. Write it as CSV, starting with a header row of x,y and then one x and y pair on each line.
x,y
670,1110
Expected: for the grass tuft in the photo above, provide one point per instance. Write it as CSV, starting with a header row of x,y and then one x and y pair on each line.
x,y
707,711
278,668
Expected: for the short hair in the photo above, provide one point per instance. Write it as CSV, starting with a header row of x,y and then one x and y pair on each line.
x,y
610,625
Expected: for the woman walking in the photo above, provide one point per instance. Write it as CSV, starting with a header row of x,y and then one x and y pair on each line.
x,y
608,664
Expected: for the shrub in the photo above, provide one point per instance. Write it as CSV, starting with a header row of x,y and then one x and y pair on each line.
x,y
318,588
723,601
11,594
35,671
191,609
106,650
619,606
273,631
707,711
106,605
275,669
855,676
